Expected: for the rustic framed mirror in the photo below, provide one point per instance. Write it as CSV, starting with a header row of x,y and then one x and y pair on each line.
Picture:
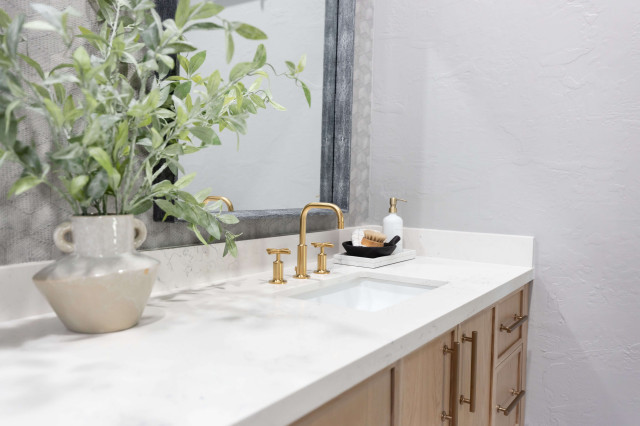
x,y
330,139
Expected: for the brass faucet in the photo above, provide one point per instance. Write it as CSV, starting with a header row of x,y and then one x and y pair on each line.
x,y
220,197
301,269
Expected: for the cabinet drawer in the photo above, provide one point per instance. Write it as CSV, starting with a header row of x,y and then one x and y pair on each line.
x,y
508,390
511,321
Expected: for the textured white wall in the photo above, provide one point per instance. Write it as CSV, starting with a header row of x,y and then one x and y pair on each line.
x,y
524,118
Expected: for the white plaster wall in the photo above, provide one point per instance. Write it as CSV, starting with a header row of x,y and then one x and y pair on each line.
x,y
524,118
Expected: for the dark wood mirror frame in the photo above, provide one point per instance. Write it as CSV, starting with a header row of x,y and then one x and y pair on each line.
x,y
336,110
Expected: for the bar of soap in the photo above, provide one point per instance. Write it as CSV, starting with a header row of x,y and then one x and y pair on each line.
x,y
356,237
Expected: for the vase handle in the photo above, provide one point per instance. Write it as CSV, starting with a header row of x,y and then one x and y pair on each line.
x,y
59,238
140,232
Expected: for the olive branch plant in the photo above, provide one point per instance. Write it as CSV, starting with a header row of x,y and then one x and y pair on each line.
x,y
117,116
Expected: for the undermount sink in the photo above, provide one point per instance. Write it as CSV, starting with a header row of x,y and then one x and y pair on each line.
x,y
367,293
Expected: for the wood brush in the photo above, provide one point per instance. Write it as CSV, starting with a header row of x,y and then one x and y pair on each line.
x,y
373,239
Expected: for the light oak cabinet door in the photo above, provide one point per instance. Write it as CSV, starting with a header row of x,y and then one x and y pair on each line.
x,y
366,404
509,384
476,334
424,378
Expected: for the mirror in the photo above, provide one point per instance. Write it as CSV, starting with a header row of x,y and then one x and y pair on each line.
x,y
277,163
288,158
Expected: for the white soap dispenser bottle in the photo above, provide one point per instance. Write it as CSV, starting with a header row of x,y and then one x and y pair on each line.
x,y
392,223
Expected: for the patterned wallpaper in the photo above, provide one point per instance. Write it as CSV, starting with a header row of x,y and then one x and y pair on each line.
x,y
27,221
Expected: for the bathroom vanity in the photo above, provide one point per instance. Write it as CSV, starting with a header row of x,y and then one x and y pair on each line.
x,y
473,374
217,344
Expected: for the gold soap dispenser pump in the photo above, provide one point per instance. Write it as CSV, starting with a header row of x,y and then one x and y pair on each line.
x,y
392,224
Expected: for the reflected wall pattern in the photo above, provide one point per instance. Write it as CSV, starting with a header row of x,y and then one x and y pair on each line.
x,y
27,221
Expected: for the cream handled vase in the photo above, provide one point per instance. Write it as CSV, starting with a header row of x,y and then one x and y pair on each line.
x,y
103,284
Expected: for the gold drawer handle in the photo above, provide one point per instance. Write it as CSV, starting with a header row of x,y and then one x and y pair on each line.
x,y
519,320
513,404
474,371
452,415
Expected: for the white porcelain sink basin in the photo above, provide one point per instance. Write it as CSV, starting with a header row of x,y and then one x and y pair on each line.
x,y
367,293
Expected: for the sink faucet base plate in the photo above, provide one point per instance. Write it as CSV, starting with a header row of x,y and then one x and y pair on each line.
x,y
301,277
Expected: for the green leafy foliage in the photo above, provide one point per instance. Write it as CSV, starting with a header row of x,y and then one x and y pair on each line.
x,y
116,118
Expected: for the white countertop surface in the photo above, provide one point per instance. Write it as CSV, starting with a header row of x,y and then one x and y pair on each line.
x,y
234,352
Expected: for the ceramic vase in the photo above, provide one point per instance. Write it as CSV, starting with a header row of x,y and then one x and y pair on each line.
x,y
103,284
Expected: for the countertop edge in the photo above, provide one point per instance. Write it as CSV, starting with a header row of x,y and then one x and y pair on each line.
x,y
315,395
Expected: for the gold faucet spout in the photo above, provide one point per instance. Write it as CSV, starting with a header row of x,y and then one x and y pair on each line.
x,y
221,198
301,269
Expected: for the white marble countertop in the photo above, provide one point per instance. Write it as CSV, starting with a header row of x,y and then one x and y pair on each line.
x,y
233,352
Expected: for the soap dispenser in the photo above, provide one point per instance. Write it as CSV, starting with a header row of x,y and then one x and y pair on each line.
x,y
392,223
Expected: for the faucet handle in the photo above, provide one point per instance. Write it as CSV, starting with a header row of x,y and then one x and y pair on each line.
x,y
322,258
278,251
322,245
278,265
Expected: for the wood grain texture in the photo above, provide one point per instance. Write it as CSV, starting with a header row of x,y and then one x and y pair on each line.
x,y
509,376
483,324
526,298
505,310
366,404
503,372
422,386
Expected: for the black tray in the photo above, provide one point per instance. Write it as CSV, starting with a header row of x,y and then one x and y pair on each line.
x,y
370,252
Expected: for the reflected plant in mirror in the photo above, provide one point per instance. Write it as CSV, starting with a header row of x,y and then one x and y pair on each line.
x,y
282,149
119,118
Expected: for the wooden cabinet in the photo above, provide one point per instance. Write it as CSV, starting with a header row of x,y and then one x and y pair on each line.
x,y
509,312
366,404
473,375
418,375
510,331
509,385
476,371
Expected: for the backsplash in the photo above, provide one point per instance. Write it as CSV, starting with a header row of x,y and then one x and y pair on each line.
x,y
28,221
180,268
185,268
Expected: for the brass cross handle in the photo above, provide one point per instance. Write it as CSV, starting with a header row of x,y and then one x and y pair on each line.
x,y
278,251
322,245
322,258
278,266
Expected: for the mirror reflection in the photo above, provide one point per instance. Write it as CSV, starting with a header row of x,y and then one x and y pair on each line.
x,y
276,165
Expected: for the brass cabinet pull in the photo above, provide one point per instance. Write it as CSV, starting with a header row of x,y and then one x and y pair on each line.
x,y
474,371
452,416
513,404
519,320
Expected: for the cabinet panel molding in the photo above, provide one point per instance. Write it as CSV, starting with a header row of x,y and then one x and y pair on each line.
x,y
506,312
508,384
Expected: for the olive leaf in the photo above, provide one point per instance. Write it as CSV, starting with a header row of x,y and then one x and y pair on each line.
x,y
115,122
